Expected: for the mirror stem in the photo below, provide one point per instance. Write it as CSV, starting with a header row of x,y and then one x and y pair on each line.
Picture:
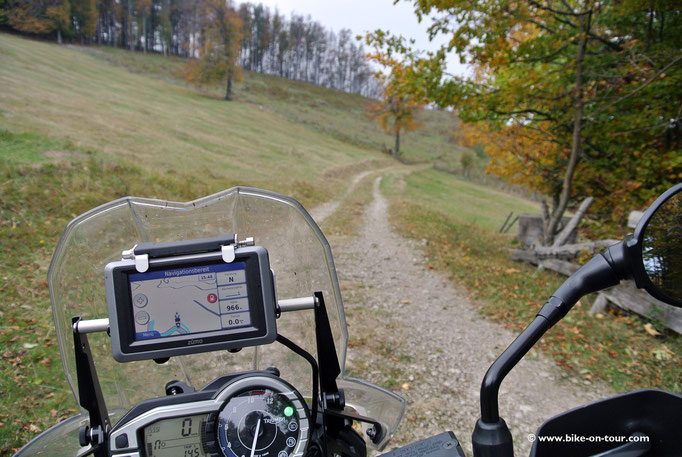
x,y
503,365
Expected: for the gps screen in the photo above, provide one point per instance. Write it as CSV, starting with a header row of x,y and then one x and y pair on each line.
x,y
189,300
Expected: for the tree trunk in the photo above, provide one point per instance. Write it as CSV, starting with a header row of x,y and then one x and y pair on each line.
x,y
131,43
144,31
228,91
565,234
59,36
396,151
576,144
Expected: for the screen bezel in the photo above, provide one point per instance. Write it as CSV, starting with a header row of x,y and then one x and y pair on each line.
x,y
260,290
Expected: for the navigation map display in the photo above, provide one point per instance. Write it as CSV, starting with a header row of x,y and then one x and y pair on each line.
x,y
190,300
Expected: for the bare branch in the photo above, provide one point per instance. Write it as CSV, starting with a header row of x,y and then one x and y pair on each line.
x,y
525,111
645,84
554,10
565,234
650,127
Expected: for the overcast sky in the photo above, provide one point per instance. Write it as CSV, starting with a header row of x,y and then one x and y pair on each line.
x,y
363,16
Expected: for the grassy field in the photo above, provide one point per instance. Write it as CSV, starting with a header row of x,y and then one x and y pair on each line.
x,y
163,126
81,126
331,112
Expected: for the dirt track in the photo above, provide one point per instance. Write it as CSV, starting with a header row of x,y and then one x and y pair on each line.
x,y
414,332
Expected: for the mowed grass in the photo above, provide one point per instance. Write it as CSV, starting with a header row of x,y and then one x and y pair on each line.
x,y
460,222
338,114
466,201
163,126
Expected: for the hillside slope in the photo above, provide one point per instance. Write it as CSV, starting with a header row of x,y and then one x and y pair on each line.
x,y
90,97
158,125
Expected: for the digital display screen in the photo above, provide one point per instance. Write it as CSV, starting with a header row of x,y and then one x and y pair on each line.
x,y
177,437
191,300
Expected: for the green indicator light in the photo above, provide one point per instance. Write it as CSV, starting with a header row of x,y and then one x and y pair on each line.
x,y
288,411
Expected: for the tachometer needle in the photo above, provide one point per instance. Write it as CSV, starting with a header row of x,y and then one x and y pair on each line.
x,y
255,439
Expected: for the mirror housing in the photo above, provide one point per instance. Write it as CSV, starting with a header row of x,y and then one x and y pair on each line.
x,y
636,244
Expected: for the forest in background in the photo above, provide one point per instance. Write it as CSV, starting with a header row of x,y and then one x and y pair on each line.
x,y
254,37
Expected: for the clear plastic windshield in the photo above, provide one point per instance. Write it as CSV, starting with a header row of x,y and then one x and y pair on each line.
x,y
300,257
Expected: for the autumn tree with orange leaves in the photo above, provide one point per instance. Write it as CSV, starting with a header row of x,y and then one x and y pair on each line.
x,y
398,111
37,17
220,44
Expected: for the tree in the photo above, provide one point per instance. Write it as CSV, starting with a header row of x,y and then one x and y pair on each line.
x,y
221,27
86,18
144,6
565,75
398,110
38,17
166,28
59,14
245,16
260,35
466,160
395,114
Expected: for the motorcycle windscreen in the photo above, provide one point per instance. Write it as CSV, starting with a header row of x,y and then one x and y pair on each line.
x,y
300,257
58,441
372,401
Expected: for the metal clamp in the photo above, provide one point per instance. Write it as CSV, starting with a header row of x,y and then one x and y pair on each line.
x,y
249,241
228,253
228,249
141,261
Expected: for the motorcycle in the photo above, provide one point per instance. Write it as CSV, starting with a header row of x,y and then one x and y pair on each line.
x,y
211,345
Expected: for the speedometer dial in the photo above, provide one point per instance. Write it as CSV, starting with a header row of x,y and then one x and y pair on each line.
x,y
262,422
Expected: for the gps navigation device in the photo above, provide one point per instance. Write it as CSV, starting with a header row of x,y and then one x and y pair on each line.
x,y
169,299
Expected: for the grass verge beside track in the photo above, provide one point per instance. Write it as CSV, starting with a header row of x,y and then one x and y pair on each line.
x,y
461,241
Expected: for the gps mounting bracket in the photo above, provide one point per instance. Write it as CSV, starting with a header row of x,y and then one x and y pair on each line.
x,y
90,395
142,252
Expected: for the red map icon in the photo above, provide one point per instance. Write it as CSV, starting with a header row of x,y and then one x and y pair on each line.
x,y
212,298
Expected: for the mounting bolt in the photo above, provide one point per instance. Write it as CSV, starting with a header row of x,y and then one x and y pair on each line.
x,y
88,436
449,444
84,436
371,432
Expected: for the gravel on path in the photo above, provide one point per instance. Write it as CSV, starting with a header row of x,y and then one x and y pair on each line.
x,y
413,331
326,209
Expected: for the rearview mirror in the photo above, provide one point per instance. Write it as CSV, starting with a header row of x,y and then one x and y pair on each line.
x,y
656,248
